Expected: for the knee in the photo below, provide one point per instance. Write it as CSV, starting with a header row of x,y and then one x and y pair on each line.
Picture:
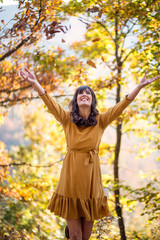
x,y
75,235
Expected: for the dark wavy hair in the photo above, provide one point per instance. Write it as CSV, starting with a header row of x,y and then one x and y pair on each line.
x,y
76,118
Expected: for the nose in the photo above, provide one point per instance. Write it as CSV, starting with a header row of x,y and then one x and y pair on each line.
x,y
84,93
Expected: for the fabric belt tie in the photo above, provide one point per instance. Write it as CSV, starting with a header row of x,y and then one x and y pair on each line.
x,y
91,154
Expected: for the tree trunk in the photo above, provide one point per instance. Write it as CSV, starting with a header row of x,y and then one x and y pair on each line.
x,y
118,206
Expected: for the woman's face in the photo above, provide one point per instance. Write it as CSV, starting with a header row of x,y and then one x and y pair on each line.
x,y
84,98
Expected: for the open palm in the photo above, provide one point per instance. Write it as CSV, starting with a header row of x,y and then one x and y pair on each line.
x,y
27,75
146,81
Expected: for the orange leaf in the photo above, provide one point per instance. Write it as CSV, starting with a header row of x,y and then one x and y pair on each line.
x,y
102,58
91,63
96,39
100,14
2,21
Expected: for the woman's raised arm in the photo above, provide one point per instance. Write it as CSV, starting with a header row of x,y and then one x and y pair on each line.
x,y
113,112
53,106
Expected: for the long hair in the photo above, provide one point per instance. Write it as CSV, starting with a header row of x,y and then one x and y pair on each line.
x,y
76,118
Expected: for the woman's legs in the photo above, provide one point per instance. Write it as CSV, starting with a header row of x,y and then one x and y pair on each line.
x,y
80,229
86,229
75,229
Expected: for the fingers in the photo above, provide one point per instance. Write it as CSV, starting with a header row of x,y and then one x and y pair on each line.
x,y
27,70
30,74
153,79
22,74
144,77
145,74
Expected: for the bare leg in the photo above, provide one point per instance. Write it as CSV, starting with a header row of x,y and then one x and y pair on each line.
x,y
75,229
86,229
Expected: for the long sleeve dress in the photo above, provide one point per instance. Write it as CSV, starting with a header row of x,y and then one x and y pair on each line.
x,y
80,192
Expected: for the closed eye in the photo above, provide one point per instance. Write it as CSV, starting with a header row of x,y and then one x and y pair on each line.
x,y
87,92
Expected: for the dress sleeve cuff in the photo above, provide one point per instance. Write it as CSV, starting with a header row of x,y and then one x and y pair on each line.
x,y
128,99
43,94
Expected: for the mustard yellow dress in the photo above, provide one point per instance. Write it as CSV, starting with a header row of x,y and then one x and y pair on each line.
x,y
80,192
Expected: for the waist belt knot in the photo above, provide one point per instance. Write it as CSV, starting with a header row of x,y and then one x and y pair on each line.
x,y
91,154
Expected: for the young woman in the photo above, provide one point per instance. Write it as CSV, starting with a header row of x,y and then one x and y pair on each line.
x,y
79,197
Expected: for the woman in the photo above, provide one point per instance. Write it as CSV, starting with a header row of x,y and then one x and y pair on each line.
x,y
79,197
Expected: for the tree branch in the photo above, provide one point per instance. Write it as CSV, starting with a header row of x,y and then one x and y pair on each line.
x,y
25,98
16,48
28,164
26,39
100,23
141,130
128,55
125,37
14,90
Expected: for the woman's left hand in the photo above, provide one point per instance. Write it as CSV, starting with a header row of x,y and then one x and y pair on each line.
x,y
145,82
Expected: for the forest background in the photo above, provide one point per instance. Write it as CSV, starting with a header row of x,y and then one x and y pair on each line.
x,y
107,45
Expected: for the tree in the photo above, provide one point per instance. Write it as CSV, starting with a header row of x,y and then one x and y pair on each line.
x,y
28,24
20,46
32,176
107,31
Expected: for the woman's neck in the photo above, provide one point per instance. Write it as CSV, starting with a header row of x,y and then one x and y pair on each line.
x,y
84,112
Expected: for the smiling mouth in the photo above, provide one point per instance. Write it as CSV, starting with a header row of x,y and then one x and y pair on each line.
x,y
82,99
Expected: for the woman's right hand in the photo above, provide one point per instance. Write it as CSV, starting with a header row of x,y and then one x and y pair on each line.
x,y
27,75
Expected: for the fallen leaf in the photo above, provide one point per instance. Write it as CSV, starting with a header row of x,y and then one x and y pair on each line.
x,y
53,28
2,21
102,58
63,40
93,9
91,63
96,39
100,14
87,24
